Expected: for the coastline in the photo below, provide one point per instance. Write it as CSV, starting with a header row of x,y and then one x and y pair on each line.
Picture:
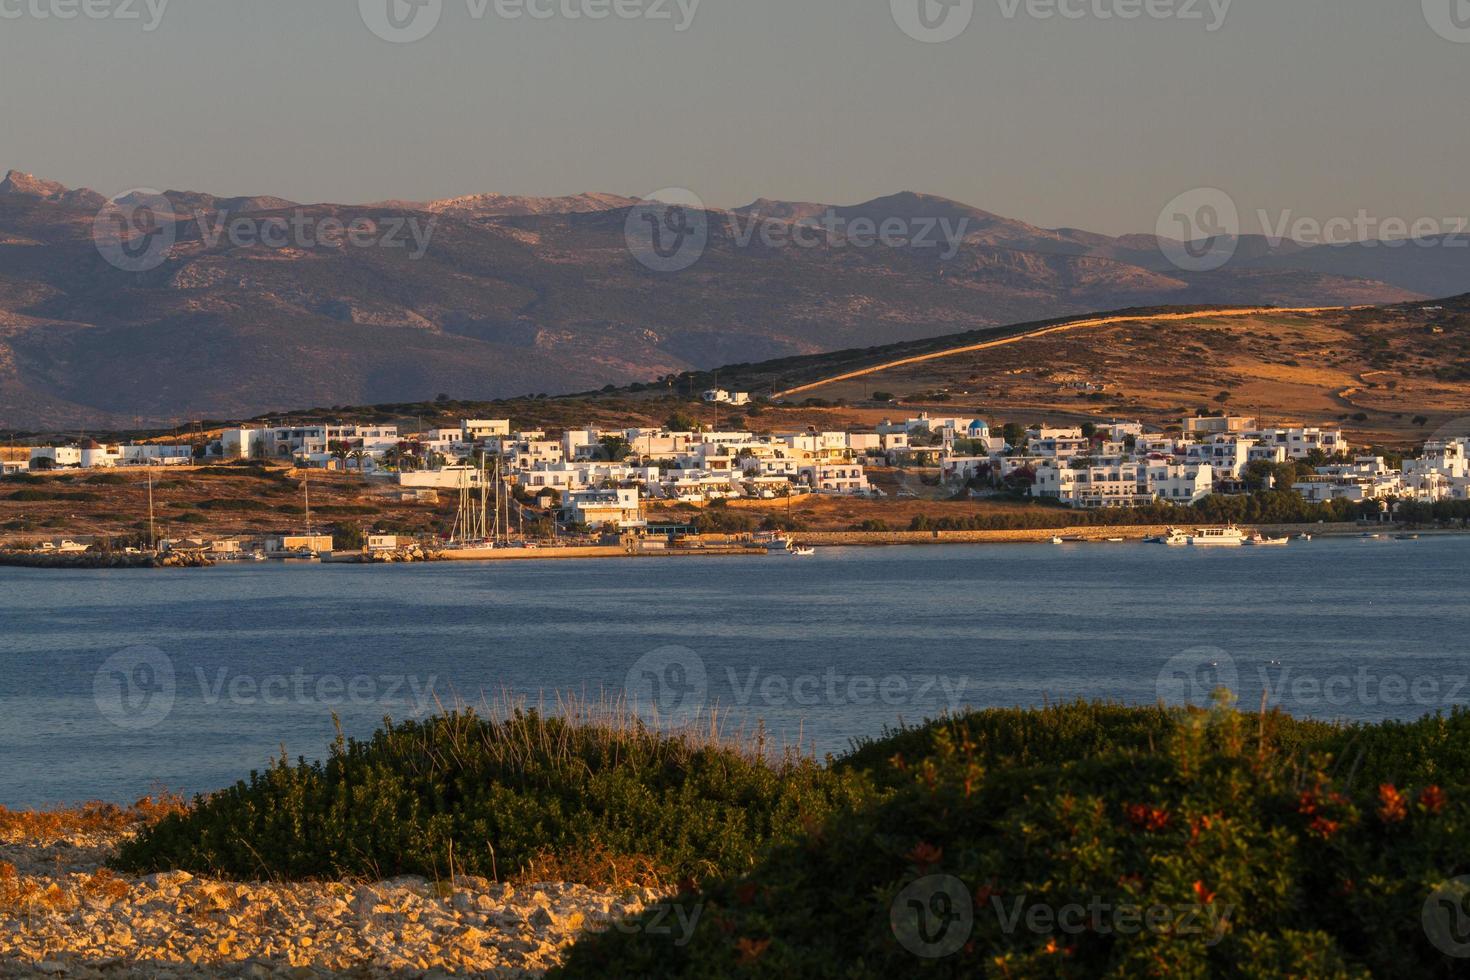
x,y
734,546
68,915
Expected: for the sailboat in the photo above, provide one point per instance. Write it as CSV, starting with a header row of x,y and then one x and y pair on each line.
x,y
308,553
152,537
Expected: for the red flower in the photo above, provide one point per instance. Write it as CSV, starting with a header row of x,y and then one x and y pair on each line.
x,y
1307,804
1200,823
1145,817
1323,827
1391,805
751,949
925,855
1432,798
1203,894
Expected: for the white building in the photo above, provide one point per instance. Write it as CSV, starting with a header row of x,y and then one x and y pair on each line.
x,y
474,430
1301,441
719,396
619,508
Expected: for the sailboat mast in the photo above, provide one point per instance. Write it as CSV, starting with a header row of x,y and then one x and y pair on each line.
x,y
152,535
484,500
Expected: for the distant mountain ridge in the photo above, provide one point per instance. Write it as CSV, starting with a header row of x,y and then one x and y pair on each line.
x,y
517,295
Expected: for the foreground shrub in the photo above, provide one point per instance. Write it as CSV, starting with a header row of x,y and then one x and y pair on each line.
x,y
523,795
1216,850
1061,733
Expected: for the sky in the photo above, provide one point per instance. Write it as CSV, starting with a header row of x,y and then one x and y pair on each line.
x,y
1095,120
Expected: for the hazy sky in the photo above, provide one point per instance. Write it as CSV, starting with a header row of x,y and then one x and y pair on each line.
x,y
1324,107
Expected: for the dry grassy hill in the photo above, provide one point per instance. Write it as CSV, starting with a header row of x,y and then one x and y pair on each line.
x,y
1389,373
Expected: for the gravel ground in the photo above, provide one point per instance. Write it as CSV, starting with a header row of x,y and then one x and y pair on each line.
x,y
62,914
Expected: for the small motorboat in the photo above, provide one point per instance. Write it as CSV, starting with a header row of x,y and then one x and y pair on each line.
x,y
1304,537
1406,537
800,552
1056,540
1261,541
1115,540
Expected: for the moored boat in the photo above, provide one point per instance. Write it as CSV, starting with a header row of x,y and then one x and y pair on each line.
x,y
1261,541
1217,537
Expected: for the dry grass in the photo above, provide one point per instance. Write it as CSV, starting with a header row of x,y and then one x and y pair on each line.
x,y
597,866
90,820
614,722
1308,368
27,896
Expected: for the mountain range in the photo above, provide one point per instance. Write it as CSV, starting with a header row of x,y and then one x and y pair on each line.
x,y
516,295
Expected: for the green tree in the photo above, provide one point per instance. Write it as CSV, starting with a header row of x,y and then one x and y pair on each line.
x,y
615,448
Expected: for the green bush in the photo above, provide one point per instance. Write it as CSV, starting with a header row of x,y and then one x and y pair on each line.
x,y
37,496
719,519
233,503
501,799
1088,842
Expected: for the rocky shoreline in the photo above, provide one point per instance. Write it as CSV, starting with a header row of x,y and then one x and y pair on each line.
x,y
63,914
103,559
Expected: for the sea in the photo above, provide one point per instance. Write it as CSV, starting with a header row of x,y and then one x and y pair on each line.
x,y
117,684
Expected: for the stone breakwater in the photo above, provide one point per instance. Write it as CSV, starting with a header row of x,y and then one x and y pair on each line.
x,y
102,559
63,915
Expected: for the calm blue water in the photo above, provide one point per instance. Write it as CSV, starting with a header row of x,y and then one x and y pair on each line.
x,y
112,683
